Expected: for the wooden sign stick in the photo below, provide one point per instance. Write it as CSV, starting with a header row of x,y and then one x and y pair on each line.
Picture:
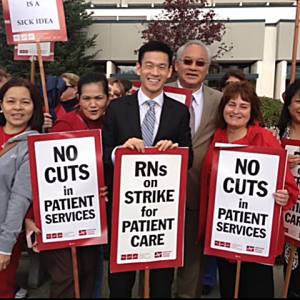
x,y
75,271
42,71
289,271
147,284
32,73
237,279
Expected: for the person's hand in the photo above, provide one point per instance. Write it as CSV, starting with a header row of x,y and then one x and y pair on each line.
x,y
281,197
4,261
164,145
30,227
135,144
293,160
48,123
104,193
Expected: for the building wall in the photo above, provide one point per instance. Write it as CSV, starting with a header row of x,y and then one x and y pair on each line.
x,y
118,41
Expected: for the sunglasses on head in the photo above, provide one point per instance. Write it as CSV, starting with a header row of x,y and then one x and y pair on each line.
x,y
189,62
70,86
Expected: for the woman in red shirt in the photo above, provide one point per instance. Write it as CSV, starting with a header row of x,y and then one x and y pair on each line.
x,y
238,118
93,100
21,115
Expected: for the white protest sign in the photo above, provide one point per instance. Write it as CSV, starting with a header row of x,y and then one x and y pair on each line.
x,y
148,209
292,217
68,189
30,49
244,204
35,15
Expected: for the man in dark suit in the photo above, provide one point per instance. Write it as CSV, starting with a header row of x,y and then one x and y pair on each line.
x,y
147,119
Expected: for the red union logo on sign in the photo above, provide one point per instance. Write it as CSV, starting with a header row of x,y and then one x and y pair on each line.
x,y
123,257
250,248
135,256
286,229
54,235
48,236
157,254
217,243
82,232
227,245
60,235
129,256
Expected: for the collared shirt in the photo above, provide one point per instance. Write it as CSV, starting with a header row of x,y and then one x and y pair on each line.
x,y
142,98
197,105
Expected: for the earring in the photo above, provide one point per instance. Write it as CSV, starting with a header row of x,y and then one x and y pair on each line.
x,y
1,111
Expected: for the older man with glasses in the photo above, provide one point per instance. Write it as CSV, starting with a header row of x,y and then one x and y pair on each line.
x,y
192,66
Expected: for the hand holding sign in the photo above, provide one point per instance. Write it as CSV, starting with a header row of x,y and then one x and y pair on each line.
x,y
135,144
293,160
164,145
281,197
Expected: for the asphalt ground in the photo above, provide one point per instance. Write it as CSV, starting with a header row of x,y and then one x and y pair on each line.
x,y
43,290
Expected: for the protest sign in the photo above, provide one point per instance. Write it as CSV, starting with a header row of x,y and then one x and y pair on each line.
x,y
148,209
184,96
243,217
292,217
29,21
29,51
67,173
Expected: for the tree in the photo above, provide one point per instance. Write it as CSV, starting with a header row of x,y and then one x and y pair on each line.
x,y
185,20
68,56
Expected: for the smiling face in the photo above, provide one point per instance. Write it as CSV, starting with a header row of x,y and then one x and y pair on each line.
x,y
93,101
192,67
294,108
17,107
154,72
237,113
114,91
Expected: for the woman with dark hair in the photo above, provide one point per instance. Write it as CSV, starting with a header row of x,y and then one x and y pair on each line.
x,y
230,77
21,115
239,117
289,128
93,99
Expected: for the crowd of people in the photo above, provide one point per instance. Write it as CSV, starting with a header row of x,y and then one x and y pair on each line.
x,y
147,118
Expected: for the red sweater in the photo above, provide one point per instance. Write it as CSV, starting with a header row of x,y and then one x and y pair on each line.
x,y
256,136
76,120
4,137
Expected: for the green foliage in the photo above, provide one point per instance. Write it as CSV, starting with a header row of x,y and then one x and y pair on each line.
x,y
271,110
68,56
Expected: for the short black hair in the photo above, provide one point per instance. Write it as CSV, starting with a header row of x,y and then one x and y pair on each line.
x,y
155,46
127,84
285,117
93,77
37,120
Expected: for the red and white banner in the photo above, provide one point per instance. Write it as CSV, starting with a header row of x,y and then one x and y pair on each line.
x,y
148,209
243,218
67,173
292,217
184,96
29,51
30,21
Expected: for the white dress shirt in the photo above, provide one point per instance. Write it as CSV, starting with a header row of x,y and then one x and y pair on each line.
x,y
197,105
142,98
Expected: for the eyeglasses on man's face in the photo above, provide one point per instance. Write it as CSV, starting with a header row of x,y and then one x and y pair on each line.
x,y
189,62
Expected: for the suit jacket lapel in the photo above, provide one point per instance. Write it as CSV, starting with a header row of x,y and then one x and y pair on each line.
x,y
165,119
133,114
206,115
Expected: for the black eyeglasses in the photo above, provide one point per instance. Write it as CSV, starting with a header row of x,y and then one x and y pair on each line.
x,y
189,62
